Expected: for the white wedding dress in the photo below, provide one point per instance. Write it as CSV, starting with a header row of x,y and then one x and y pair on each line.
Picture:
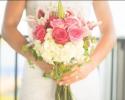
x,y
36,87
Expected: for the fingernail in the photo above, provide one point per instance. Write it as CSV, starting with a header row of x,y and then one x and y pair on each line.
x,y
66,84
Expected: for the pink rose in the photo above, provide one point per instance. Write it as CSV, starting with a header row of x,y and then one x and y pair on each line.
x,y
60,35
76,33
72,21
39,33
57,23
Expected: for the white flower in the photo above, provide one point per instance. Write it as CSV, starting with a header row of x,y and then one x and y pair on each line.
x,y
70,53
51,51
37,47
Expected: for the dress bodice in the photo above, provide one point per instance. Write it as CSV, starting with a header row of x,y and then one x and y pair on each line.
x,y
84,8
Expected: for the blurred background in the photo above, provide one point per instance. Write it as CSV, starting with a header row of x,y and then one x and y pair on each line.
x,y
111,70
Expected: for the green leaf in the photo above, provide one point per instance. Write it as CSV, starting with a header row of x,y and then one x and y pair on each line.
x,y
87,59
86,43
40,58
31,64
46,75
34,54
93,40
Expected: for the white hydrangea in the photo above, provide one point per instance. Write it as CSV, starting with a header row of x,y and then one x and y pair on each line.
x,y
51,51
38,47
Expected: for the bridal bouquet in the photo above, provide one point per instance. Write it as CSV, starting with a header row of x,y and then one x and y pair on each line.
x,y
63,40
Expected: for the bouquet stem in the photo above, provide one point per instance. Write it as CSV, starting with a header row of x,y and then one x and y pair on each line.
x,y
63,93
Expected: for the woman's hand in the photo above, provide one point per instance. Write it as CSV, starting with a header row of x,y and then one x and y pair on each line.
x,y
17,40
41,64
44,66
77,73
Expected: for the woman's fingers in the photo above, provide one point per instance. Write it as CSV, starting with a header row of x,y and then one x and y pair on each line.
x,y
78,73
71,77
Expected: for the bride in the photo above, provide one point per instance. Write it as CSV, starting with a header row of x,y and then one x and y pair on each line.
x,y
85,85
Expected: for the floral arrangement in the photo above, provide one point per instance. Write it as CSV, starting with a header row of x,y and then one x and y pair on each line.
x,y
63,40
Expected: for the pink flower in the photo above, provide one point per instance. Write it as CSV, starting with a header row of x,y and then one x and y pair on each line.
x,y
76,33
72,21
39,33
82,21
69,13
60,35
40,13
91,25
32,21
51,18
57,23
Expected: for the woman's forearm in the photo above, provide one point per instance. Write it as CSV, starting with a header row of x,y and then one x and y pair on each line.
x,y
11,20
108,39
104,46
16,40
13,37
